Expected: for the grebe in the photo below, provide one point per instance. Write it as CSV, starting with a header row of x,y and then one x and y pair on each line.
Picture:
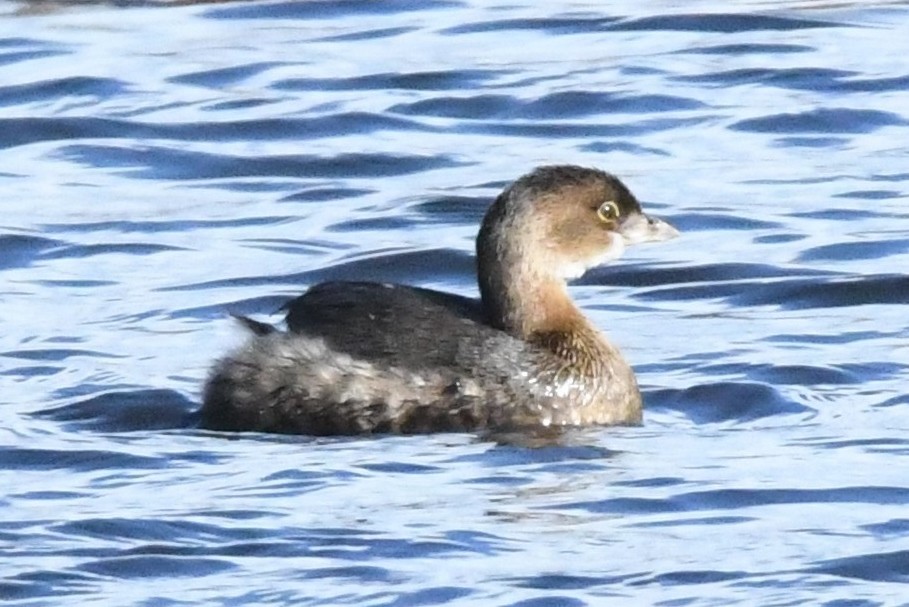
x,y
361,357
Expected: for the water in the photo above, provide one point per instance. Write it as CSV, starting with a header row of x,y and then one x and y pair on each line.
x,y
163,165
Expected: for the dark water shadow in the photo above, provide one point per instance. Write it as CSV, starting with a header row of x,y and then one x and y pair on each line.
x,y
126,411
726,401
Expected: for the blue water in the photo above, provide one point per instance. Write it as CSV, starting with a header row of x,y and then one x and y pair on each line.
x,y
163,165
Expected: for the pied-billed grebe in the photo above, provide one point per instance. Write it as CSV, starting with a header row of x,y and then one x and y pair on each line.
x,y
362,357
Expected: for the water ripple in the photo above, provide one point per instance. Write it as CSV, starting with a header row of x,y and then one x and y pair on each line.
x,y
734,499
727,401
877,567
414,81
728,23
150,163
125,411
323,9
76,460
825,120
564,105
796,293
23,131
19,250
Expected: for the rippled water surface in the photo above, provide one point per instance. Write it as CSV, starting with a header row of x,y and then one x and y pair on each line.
x,y
163,165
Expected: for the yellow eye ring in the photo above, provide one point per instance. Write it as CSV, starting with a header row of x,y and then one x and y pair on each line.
x,y
608,211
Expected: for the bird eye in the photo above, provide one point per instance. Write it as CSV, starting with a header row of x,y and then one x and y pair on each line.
x,y
608,211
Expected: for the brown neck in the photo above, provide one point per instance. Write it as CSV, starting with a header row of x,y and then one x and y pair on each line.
x,y
521,292
542,313
525,305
